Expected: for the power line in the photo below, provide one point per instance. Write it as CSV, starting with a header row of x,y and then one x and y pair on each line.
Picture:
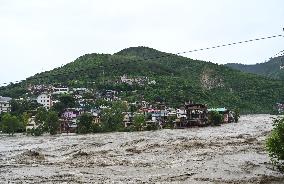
x,y
159,57
231,44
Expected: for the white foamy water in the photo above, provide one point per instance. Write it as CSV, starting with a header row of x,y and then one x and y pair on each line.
x,y
231,153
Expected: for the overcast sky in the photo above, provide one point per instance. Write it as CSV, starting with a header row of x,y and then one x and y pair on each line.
x,y
38,35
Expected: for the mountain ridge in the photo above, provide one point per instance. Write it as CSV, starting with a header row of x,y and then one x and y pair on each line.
x,y
178,79
271,68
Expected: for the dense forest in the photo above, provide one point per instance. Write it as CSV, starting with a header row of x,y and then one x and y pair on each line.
x,y
177,79
271,68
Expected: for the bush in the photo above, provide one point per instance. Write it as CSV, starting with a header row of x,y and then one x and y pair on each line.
x,y
97,128
215,118
37,131
236,115
275,144
150,127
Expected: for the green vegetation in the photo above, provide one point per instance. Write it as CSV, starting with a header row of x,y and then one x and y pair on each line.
x,y
270,68
139,122
84,124
215,118
52,122
236,114
10,124
112,118
275,144
178,79
46,121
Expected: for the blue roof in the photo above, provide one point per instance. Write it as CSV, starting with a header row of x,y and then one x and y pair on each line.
x,y
223,109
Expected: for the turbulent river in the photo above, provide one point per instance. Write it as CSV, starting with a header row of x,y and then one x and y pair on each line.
x,y
231,153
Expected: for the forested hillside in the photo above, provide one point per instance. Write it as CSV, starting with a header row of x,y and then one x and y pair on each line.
x,y
177,79
271,68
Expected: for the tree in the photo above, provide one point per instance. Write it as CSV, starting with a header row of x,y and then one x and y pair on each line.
x,y
65,101
215,118
112,118
25,119
40,120
84,124
19,107
139,122
236,115
68,101
52,122
10,124
58,107
275,144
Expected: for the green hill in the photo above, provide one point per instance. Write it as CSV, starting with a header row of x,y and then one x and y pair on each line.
x,y
270,68
178,79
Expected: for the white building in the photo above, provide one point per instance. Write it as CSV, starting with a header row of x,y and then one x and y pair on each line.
x,y
125,79
31,124
181,113
5,105
45,100
60,90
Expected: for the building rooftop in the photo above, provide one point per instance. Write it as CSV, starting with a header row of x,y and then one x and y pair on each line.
x,y
5,99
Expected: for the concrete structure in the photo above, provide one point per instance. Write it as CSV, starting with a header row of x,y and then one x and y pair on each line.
x,y
31,124
5,105
45,100
62,90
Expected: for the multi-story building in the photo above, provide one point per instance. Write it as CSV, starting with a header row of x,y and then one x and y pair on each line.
x,y
60,90
45,100
5,105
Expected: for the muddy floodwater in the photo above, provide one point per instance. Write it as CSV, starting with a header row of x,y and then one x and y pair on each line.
x,y
231,153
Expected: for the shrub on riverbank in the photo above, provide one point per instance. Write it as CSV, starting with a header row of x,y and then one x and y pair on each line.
x,y
275,144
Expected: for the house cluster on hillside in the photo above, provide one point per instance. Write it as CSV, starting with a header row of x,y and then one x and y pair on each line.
x,y
135,80
189,114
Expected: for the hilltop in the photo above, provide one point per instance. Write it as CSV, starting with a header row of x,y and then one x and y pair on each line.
x,y
176,79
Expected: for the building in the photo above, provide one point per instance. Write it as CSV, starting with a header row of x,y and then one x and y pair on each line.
x,y
196,114
5,105
227,114
45,100
31,124
280,107
71,113
62,90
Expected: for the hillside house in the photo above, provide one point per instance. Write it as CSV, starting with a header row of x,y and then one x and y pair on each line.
x,y
110,95
60,90
71,113
45,100
125,79
5,105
